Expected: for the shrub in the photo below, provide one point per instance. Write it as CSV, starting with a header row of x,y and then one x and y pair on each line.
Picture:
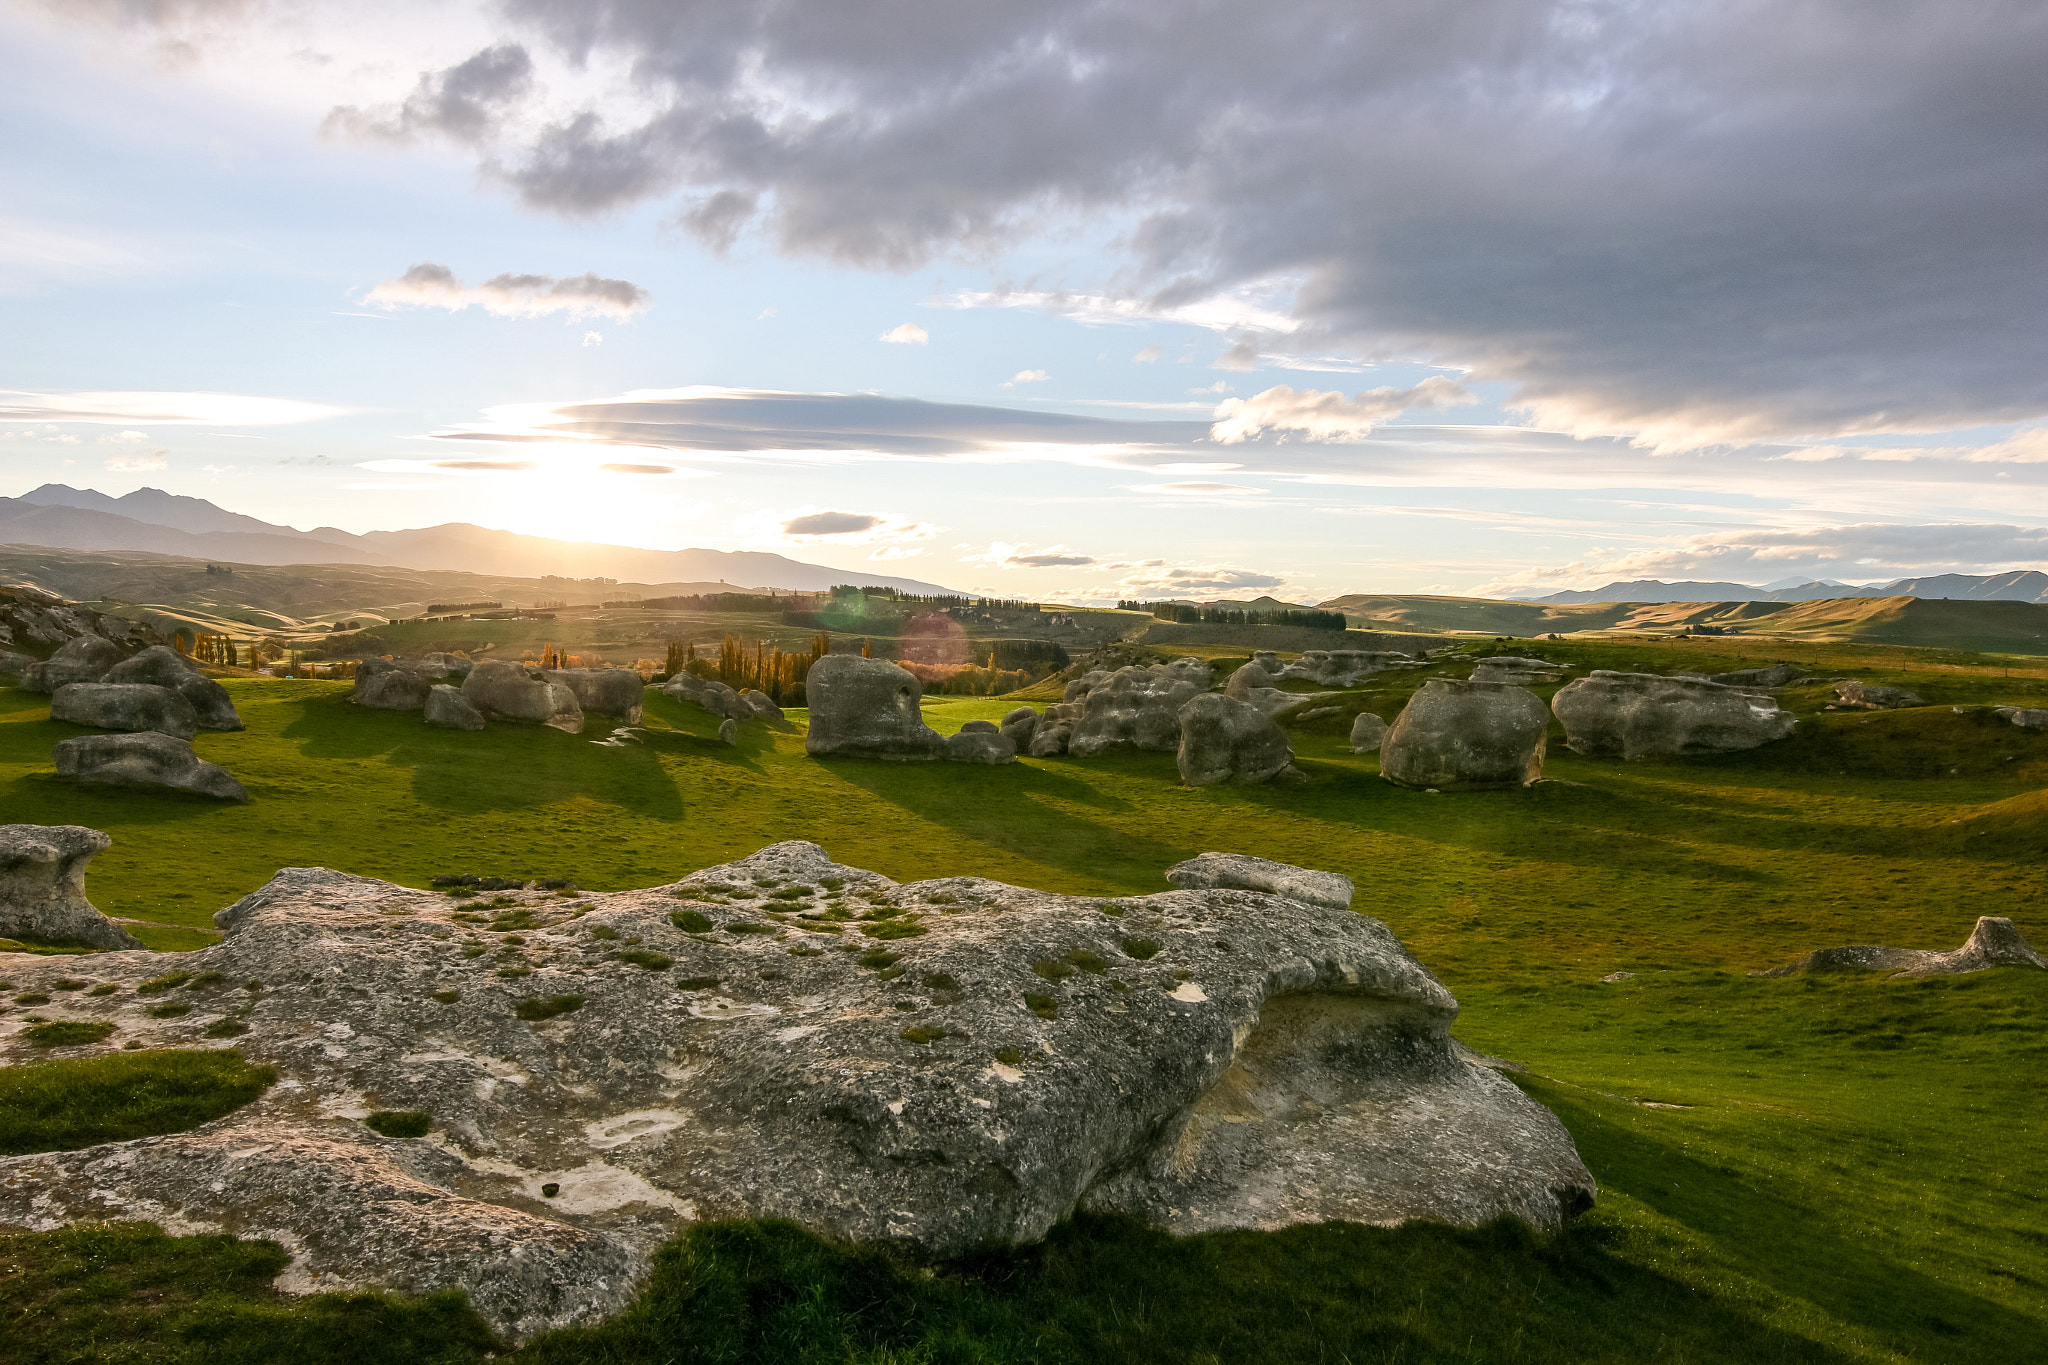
x,y
923,1034
60,1106
538,1007
653,962
692,921
1140,948
400,1123
67,1033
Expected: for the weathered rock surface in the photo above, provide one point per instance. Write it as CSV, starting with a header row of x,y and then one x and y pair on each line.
x,y
715,697
614,692
505,691
1226,740
1995,942
980,746
1242,872
1510,668
728,731
148,759
1644,715
2026,717
1138,705
1201,1059
1368,731
162,666
868,708
1248,679
1021,725
1340,667
390,685
15,665
31,617
125,706
42,887
1767,677
1864,696
762,706
83,658
1458,735
1055,729
447,707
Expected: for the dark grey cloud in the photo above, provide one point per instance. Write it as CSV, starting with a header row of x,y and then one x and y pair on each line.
x,y
1736,219
465,102
830,524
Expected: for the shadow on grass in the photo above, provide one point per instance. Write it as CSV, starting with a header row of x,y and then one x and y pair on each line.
x,y
1792,1248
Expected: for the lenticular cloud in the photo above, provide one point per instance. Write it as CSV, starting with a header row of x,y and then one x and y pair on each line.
x,y
429,285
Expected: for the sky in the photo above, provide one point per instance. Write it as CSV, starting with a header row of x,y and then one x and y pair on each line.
x,y
1080,300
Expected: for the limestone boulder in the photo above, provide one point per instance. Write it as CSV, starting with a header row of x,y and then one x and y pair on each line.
x,y
1242,872
1609,714
1021,724
1994,942
162,666
1197,1059
1765,678
148,759
708,693
614,692
1511,668
1055,729
2026,717
42,888
1248,679
1079,688
15,665
728,731
1226,740
1368,731
867,708
503,691
1138,706
391,685
979,741
1458,735
1343,667
762,706
1862,696
448,708
83,658
125,706
447,665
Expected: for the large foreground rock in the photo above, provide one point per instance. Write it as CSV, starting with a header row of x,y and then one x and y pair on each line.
x,y
1995,942
1643,715
83,658
162,666
42,887
614,692
1458,735
125,706
505,691
145,760
944,1066
1226,740
868,708
1139,706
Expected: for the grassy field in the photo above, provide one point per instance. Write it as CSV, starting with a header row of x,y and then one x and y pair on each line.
x,y
1803,1169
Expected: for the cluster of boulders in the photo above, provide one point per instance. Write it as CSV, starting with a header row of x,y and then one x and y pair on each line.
x,y
941,1066
2026,717
31,617
731,705
156,701
1334,667
456,693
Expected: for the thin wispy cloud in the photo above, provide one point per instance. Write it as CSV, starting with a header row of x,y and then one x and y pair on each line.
x,y
428,285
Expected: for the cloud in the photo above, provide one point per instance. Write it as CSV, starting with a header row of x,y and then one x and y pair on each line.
x,y
1327,415
1004,555
1026,377
137,464
906,334
717,220
593,338
126,438
824,525
1196,489
1241,356
124,408
894,552
464,103
1863,552
638,468
830,524
1150,355
1156,578
1638,218
513,296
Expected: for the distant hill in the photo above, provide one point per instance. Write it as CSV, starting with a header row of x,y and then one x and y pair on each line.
x,y
152,520
2021,585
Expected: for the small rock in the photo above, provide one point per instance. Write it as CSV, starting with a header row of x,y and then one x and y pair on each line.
x,y
1242,872
728,731
1619,976
1863,696
1367,732
1994,942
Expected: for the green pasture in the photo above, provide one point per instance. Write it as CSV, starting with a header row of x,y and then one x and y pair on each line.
x,y
1800,1169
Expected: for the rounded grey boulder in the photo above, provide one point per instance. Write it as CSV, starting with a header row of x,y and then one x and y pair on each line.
x,y
447,707
389,685
162,666
125,706
83,658
508,692
714,696
1862,696
1021,725
1225,740
148,759
1466,736
762,705
1643,715
1140,706
981,746
42,888
614,692
1368,731
868,708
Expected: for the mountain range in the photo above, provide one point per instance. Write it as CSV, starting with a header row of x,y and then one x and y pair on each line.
x,y
2020,585
149,519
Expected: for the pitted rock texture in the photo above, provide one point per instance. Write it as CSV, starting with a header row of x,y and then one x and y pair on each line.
x,y
1242,872
448,708
942,1065
1139,705
1862,696
614,692
1466,736
162,666
505,691
1643,715
84,658
131,707
148,759
1226,740
867,708
1994,942
1021,724
42,887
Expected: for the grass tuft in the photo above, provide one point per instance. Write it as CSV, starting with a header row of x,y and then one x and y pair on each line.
x,y
538,1007
400,1123
59,1106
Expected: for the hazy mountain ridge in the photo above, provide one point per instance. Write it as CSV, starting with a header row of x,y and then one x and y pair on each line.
x,y
154,521
2019,585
